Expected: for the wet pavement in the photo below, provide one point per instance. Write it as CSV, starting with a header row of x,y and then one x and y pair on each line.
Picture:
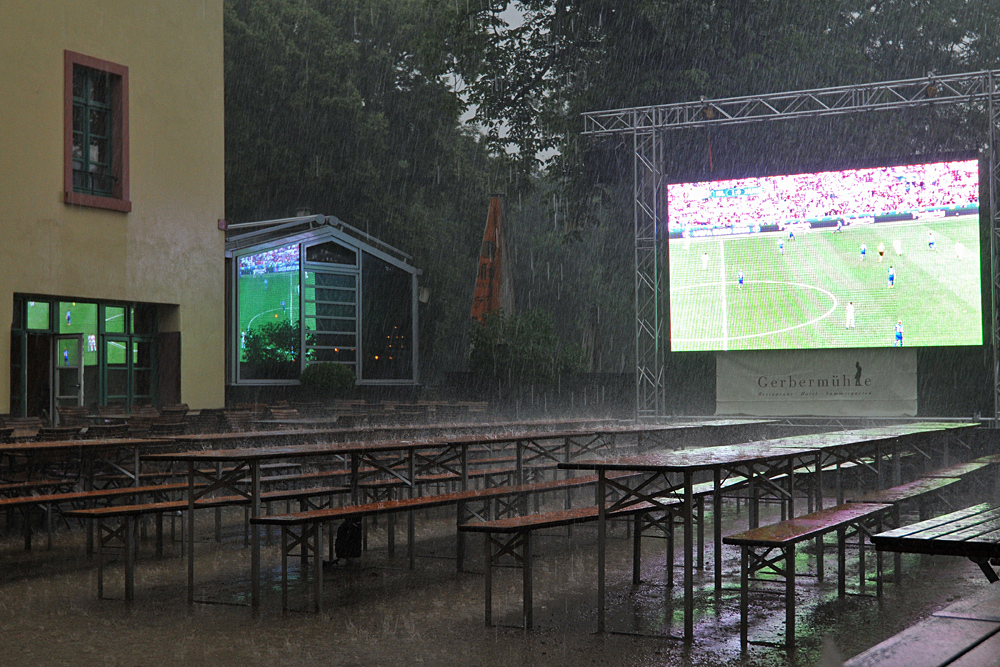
x,y
377,612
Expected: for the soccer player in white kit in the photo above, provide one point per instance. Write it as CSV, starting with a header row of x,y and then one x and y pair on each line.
x,y
849,313
897,245
704,261
959,251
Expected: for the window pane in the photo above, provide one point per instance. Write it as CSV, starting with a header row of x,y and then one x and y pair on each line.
x,y
79,118
337,295
330,310
343,354
38,315
335,324
269,323
115,352
332,339
117,383
100,89
98,152
142,355
144,319
114,319
98,122
142,382
68,353
387,321
334,280
79,81
330,253
81,318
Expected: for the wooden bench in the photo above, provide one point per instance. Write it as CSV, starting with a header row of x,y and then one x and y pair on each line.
x,y
923,491
517,543
757,545
123,534
53,500
972,532
965,634
303,530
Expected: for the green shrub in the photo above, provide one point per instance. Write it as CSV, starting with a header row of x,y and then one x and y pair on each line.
x,y
328,378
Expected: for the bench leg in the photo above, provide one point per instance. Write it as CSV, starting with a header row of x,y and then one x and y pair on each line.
x,y
670,552
410,539
527,578
159,534
744,594
48,527
100,558
284,568
318,571
861,559
790,598
131,523
841,562
390,529
488,571
701,532
637,548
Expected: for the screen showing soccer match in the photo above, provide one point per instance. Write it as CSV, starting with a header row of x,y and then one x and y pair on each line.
x,y
874,257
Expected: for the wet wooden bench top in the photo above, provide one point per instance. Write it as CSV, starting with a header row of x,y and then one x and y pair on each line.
x,y
973,532
908,491
806,526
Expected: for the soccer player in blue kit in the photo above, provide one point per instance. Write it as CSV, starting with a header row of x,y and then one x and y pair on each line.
x,y
892,276
899,334
739,278
864,249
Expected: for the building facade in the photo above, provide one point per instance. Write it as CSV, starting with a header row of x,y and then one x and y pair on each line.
x,y
111,192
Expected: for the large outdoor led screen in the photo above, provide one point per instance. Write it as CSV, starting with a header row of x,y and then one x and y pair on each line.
x,y
878,257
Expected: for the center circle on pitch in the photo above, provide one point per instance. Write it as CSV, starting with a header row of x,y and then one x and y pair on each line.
x,y
711,294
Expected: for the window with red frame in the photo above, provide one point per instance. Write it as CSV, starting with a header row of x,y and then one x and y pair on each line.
x,y
96,142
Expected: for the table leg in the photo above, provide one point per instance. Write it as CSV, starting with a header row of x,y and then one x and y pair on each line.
x,y
190,532
284,567
841,562
790,598
488,571
688,559
100,558
701,532
601,535
744,594
526,575
637,549
318,570
717,525
130,524
254,534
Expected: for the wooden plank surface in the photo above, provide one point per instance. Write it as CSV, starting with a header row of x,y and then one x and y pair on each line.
x,y
931,643
986,654
806,526
907,491
973,532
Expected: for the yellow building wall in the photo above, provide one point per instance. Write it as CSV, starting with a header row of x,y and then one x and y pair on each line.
x,y
168,249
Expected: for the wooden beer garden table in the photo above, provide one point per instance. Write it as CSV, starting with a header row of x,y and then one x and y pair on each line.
x,y
417,457
756,463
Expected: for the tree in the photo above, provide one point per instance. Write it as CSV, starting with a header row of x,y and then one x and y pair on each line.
x,y
517,350
271,351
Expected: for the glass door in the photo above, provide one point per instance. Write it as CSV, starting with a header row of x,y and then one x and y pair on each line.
x,y
67,367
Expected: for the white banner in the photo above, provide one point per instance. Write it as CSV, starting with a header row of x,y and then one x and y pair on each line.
x,y
832,383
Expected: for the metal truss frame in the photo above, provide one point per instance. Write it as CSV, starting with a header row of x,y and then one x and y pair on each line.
x,y
648,124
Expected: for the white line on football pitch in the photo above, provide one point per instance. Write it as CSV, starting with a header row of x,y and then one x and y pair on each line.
x,y
722,279
725,341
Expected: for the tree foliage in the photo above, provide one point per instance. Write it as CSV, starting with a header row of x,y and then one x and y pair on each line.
x,y
511,350
272,351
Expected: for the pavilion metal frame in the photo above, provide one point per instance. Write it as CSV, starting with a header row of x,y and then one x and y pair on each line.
x,y
647,126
